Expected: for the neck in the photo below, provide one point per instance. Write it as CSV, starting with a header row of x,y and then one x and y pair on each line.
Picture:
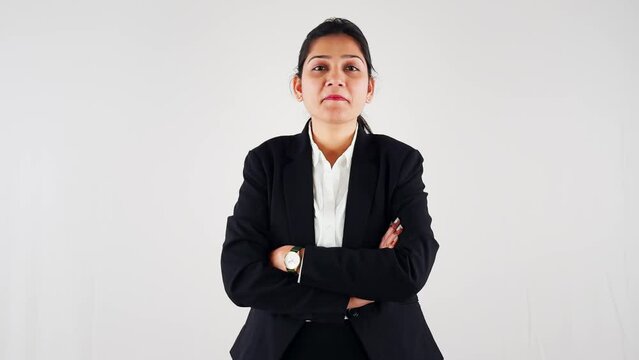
x,y
333,138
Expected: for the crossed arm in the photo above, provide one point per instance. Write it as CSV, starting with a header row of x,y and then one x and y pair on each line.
x,y
389,240
332,276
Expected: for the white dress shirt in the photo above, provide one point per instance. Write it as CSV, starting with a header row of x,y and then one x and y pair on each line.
x,y
330,187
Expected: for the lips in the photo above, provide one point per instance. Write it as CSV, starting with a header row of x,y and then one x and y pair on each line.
x,y
335,97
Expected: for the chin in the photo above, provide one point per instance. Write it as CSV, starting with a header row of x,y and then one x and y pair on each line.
x,y
337,118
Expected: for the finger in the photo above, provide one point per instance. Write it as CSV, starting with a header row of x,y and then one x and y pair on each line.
x,y
387,236
389,233
391,241
394,242
395,239
395,223
392,227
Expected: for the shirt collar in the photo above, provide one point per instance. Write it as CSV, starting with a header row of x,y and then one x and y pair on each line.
x,y
346,157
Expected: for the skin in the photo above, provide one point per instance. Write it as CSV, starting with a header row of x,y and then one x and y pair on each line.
x,y
333,121
388,241
335,65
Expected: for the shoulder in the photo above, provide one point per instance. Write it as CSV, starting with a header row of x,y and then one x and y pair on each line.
x,y
396,151
391,145
274,144
271,152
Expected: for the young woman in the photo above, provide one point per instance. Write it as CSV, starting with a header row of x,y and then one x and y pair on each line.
x,y
309,246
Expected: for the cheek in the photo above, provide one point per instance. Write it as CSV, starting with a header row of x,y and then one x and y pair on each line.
x,y
311,87
360,90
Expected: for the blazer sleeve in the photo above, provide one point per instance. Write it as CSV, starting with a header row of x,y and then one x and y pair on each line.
x,y
383,274
249,279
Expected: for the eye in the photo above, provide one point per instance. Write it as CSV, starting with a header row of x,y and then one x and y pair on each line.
x,y
351,66
317,67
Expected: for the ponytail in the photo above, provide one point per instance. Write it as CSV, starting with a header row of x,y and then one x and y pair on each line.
x,y
362,122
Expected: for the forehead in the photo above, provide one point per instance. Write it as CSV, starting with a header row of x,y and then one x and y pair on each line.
x,y
335,45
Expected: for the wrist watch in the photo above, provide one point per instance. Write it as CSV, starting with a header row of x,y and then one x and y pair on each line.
x,y
292,259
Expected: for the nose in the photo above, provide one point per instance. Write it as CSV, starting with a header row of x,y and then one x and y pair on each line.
x,y
335,76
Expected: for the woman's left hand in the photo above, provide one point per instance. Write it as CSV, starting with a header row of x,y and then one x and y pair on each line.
x,y
277,256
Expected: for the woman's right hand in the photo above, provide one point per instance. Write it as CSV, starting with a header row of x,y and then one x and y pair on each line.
x,y
388,241
355,302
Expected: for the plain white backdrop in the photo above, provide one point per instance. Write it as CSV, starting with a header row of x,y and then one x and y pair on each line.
x,y
124,126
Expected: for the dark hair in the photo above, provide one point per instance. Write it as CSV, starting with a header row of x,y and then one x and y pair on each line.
x,y
332,26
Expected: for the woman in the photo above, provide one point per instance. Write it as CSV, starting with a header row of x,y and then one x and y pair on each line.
x,y
309,247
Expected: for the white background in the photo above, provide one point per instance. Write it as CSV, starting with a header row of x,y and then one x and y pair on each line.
x,y
124,126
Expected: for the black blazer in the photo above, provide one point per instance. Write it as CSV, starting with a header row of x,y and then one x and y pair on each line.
x,y
275,208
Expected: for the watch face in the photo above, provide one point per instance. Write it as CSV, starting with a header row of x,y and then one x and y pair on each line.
x,y
292,260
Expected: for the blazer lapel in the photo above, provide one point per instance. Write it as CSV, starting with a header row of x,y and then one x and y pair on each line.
x,y
361,189
298,189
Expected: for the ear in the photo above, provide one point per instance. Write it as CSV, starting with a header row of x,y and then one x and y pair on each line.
x,y
371,89
297,86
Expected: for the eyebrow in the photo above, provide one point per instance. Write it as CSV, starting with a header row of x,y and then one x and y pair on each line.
x,y
328,57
